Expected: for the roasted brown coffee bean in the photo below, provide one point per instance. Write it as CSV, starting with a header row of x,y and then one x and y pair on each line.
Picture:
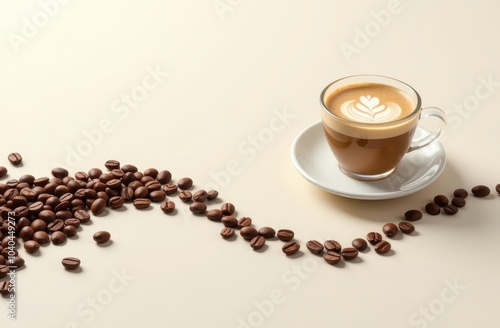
x,y
101,237
70,263
19,201
59,172
332,257
185,195
63,205
41,237
248,232
31,246
2,260
285,234
290,248
29,194
141,192
12,183
227,209
374,237
349,253
157,195
167,207
94,173
56,225
332,246
185,183
82,176
267,232
360,244
141,203
314,246
244,222
72,222
114,183
127,193
460,192
152,185
18,262
441,200
129,168
214,215
497,188
128,178
390,229
42,181
112,164
58,237
26,233
3,171
70,231
382,247
117,174
198,208
38,225
480,191
450,209
413,215
200,196
406,227
116,202
82,215
212,194
229,221
15,158
98,206
227,232
432,209
257,242
164,176
170,189
458,202
151,172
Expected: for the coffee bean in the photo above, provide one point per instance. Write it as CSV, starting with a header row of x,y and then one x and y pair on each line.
x,y
360,244
98,206
152,185
267,232
244,222
413,215
257,242
170,189
82,215
94,173
38,225
200,196
406,227
101,237
15,158
214,215
332,246
41,237
349,253
458,201
31,246
432,209
390,229
127,193
441,200
116,202
285,234
374,238
3,171
59,172
480,191
185,183
114,183
26,233
229,221
56,225
332,257
151,172
248,232
70,231
450,209
290,248
129,168
4,285
198,208
112,164
460,192
227,209
212,194
164,176
157,195
141,192
185,195
167,207
141,203
314,246
58,238
18,262
382,247
227,232
71,263
497,188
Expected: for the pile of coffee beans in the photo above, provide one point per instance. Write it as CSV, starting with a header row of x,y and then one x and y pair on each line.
x,y
44,210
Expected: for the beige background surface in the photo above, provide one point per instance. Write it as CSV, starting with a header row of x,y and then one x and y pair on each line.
x,y
190,86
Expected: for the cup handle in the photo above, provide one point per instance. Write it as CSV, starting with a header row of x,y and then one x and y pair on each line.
x,y
426,113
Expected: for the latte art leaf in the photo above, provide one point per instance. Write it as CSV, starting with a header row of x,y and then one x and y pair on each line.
x,y
368,109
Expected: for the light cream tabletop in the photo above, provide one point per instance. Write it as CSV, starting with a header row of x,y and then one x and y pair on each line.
x,y
217,90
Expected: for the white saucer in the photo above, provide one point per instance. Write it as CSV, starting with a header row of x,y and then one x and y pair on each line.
x,y
314,160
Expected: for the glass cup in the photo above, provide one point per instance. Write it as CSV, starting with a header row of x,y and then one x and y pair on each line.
x,y
370,121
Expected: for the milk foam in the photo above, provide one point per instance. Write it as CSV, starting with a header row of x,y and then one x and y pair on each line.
x,y
368,109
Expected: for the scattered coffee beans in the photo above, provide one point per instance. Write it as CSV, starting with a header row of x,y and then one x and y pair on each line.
x,y
349,253
460,192
332,257
101,237
290,248
227,232
332,246
382,247
167,207
98,206
229,221
257,242
267,232
185,195
390,229
314,246
285,234
413,215
406,227
141,203
248,232
458,202
441,200
480,191
58,238
432,209
200,196
374,238
185,183
227,209
31,246
360,244
450,209
244,222
214,215
70,263
3,171
15,158
198,208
